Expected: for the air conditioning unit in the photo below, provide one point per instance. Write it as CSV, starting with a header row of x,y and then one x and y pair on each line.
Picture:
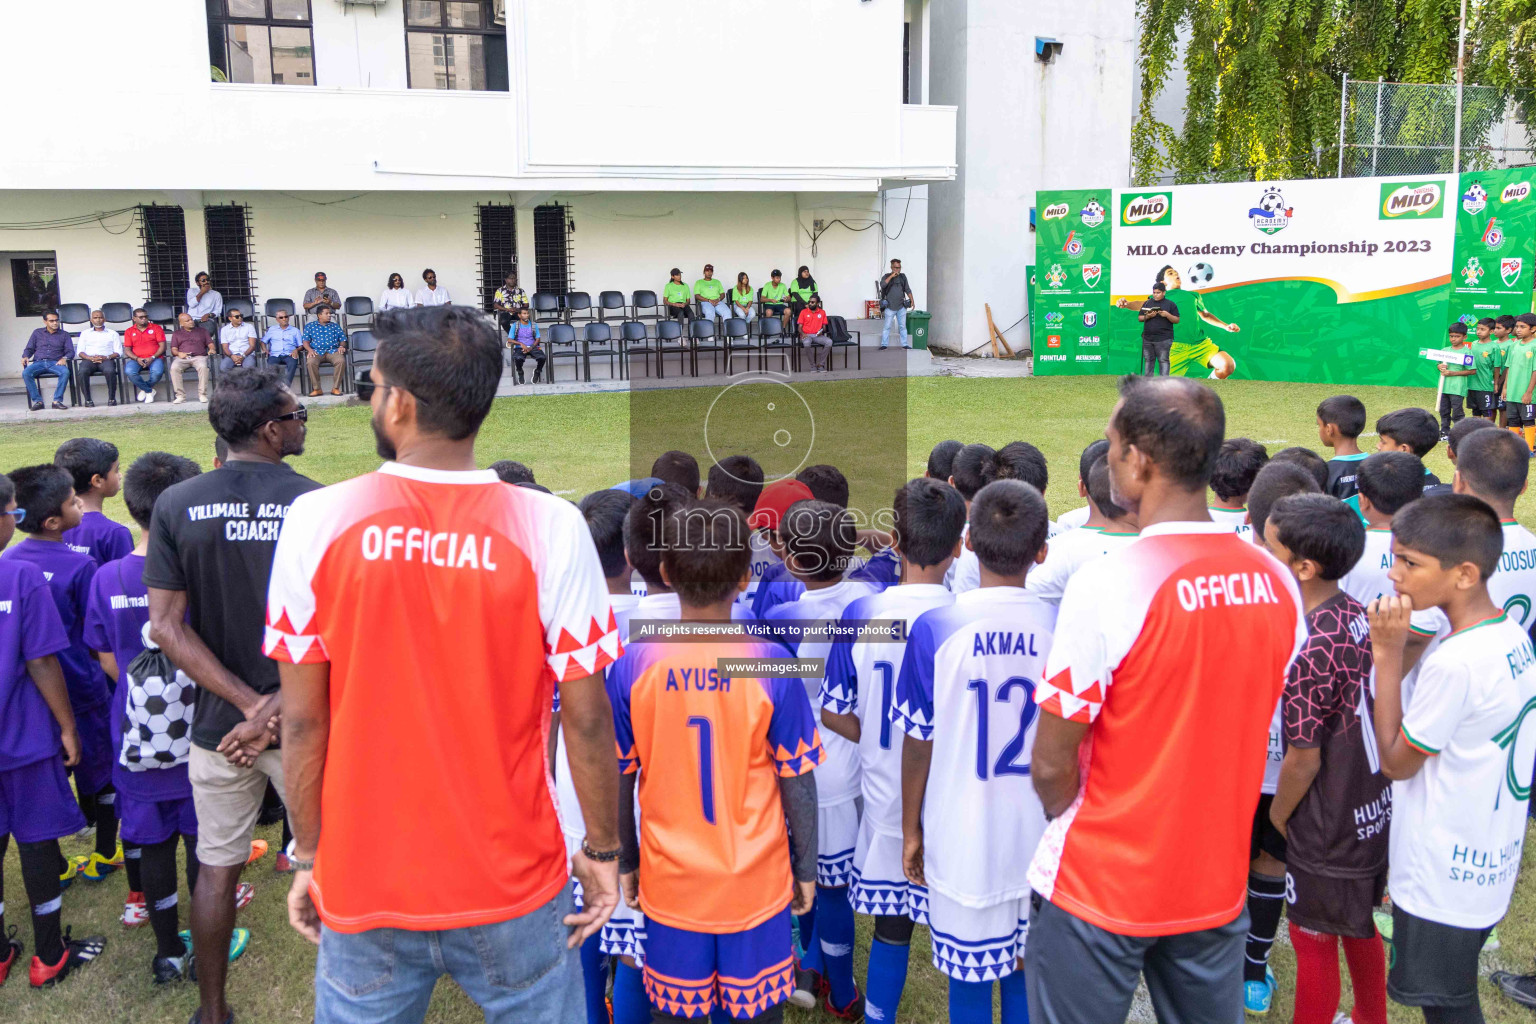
x,y
375,4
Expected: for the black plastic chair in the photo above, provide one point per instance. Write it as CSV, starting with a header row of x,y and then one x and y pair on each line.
x,y
73,316
578,308
705,339
669,339
738,341
611,306
597,340
118,313
645,301
246,308
545,306
771,339
272,307
362,347
80,385
851,343
635,341
47,392
356,313
162,313
561,344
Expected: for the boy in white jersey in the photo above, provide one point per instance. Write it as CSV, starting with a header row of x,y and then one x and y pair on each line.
x,y
1387,482
605,512
1237,464
1459,748
819,539
974,467
856,701
1493,465
1069,521
1108,528
970,814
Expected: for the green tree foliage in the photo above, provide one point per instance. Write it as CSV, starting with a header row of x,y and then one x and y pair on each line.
x,y
1264,78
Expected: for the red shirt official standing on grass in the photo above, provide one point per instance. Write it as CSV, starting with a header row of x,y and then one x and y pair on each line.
x,y
421,617
1168,660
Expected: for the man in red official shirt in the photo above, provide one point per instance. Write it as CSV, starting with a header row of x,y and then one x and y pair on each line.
x,y
813,332
1169,657
144,344
421,617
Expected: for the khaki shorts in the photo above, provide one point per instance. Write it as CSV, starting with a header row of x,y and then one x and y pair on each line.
x,y
228,800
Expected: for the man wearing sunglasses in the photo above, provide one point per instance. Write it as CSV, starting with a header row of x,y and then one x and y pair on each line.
x,y
237,340
211,543
48,353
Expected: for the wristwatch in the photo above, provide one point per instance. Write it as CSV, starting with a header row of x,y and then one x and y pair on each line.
x,y
600,856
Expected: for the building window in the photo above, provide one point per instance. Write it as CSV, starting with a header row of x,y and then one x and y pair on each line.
x,y
262,42
163,248
496,231
229,251
906,61
35,280
455,44
552,230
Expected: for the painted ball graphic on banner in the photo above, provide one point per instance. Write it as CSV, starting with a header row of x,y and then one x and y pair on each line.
x,y
1200,275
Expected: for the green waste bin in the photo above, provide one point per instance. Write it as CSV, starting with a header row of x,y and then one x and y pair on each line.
x,y
917,327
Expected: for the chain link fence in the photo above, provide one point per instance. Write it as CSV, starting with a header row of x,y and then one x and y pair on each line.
x,y
1401,128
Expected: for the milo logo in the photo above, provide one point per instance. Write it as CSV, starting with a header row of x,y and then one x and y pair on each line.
x,y
1515,191
1147,208
1056,211
1419,198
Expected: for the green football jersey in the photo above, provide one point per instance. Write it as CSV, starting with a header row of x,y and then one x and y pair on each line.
x,y
1486,360
1522,360
1458,384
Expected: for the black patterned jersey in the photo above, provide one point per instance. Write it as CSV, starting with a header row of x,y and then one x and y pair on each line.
x,y
1340,827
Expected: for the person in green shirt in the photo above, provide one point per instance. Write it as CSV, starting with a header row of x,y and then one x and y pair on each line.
x,y
1486,361
710,291
776,298
743,299
675,296
801,290
1519,381
1457,377
1503,328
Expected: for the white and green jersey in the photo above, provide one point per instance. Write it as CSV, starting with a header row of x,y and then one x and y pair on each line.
x,y
1459,824
1237,518
1513,584
1068,552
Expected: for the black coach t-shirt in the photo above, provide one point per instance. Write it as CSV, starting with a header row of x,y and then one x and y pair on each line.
x,y
1158,328
214,536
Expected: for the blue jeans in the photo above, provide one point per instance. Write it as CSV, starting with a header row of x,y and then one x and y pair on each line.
x,y
38,368
289,362
896,316
144,378
517,970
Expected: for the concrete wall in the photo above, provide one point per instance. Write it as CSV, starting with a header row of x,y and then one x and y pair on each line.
x,y
693,95
1023,126
623,241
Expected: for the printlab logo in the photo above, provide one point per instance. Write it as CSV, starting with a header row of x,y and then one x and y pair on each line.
x,y
1091,273
1509,269
1421,198
1271,215
1055,318
1472,273
1056,211
1493,235
1090,318
1093,214
1515,191
1475,199
1146,209
1056,277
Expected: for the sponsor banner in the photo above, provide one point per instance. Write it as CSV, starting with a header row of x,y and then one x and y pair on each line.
x,y
1145,209
1072,276
1491,269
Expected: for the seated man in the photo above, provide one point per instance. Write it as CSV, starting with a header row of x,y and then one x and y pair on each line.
x,y
204,301
320,297
813,332
189,347
676,297
709,290
145,356
509,298
776,298
48,352
325,342
282,341
237,341
99,349
523,339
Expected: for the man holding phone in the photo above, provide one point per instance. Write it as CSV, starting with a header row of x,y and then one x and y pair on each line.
x,y
1157,315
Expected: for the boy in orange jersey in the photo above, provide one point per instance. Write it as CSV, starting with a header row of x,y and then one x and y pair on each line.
x,y
727,759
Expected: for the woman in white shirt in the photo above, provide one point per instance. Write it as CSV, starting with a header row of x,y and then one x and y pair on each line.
x,y
396,295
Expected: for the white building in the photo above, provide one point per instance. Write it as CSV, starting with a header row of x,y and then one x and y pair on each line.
x,y
591,143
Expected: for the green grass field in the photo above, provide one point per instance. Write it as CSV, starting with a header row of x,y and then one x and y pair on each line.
x,y
576,444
